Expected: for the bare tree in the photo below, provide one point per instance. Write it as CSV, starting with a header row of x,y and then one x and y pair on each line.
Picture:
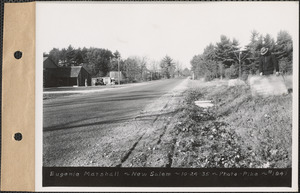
x,y
154,69
178,67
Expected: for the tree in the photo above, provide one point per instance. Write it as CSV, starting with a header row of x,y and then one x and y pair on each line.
x,y
96,60
251,61
84,51
197,66
231,72
209,52
117,54
284,51
113,65
178,68
269,42
54,55
153,67
226,58
212,69
132,71
207,65
284,45
142,63
78,58
99,60
225,51
186,72
63,57
167,66
70,56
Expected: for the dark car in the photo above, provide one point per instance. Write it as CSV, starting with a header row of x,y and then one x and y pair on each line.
x,y
99,82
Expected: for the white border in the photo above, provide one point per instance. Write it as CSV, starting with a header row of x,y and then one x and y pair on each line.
x,y
39,132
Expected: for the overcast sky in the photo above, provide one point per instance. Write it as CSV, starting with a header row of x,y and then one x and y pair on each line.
x,y
180,30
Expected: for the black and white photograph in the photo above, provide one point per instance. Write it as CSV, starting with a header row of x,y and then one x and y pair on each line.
x,y
168,89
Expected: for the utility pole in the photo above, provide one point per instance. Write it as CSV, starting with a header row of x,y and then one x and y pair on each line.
x,y
240,60
118,70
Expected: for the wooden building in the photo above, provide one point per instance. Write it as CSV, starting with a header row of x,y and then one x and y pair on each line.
x,y
73,76
55,76
49,79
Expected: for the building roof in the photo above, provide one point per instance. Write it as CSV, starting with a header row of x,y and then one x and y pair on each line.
x,y
46,57
68,72
46,65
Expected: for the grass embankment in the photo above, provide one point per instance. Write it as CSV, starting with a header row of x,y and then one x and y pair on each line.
x,y
239,131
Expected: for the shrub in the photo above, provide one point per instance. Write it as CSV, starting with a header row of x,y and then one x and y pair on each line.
x,y
245,76
231,72
285,66
209,76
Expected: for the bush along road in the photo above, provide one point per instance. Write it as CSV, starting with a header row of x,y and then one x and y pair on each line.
x,y
240,131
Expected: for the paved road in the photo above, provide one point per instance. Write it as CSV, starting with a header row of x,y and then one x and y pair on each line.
x,y
74,125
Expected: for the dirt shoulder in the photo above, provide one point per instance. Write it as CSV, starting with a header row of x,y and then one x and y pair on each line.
x,y
155,146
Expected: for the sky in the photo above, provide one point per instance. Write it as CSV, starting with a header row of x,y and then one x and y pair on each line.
x,y
154,30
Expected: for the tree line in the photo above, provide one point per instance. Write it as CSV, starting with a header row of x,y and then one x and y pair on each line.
x,y
227,59
99,62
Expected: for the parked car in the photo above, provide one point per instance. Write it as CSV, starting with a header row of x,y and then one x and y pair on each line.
x,y
113,81
99,82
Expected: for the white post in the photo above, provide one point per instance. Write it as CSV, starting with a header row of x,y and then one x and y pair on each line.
x,y
240,66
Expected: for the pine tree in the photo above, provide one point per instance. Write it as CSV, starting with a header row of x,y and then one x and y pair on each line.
x,y
284,51
167,66
225,51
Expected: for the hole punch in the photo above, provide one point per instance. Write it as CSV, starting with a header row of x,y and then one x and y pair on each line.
x,y
18,136
18,55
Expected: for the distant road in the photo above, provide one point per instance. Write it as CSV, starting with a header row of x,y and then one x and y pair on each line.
x,y
76,127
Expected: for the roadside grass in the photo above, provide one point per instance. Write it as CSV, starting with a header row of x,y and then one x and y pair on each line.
x,y
241,130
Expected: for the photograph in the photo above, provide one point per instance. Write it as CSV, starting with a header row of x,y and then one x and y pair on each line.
x,y
167,87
